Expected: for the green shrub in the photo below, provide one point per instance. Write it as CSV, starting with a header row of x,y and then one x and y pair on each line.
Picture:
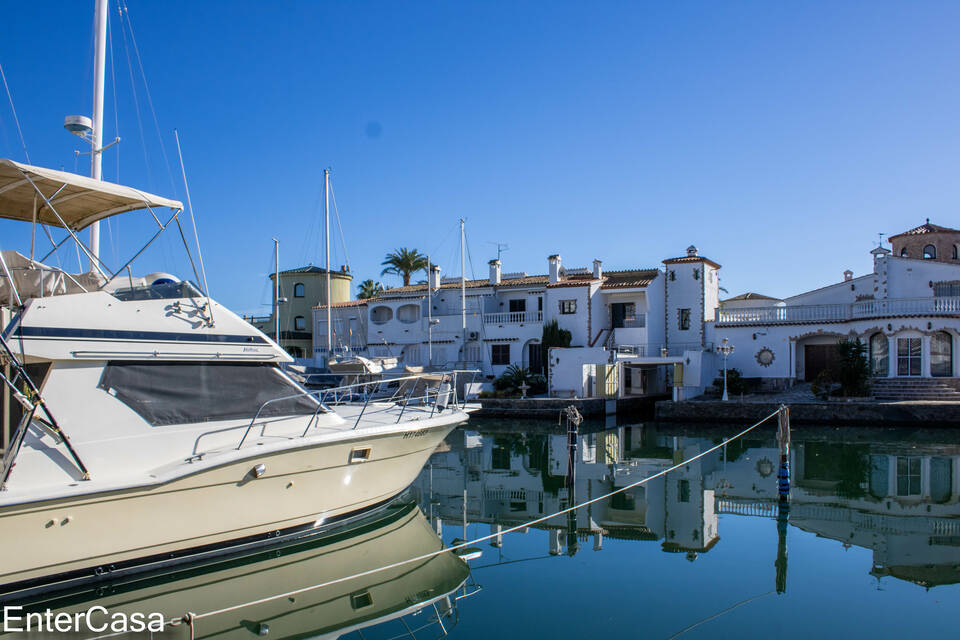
x,y
736,383
513,377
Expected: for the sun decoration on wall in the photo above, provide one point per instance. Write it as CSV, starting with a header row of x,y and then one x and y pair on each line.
x,y
765,357
764,467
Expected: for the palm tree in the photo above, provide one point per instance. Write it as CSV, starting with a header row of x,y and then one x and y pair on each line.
x,y
404,262
369,289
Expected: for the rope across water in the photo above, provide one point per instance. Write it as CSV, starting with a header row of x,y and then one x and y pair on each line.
x,y
191,618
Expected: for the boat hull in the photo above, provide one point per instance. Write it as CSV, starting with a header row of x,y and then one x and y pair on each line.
x,y
225,506
399,533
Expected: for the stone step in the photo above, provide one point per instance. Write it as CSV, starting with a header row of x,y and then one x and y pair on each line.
x,y
915,396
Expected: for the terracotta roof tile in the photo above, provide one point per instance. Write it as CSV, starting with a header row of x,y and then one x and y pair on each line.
x,y
924,229
471,284
750,296
340,305
629,278
314,269
692,259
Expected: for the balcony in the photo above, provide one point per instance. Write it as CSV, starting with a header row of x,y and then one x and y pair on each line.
x,y
805,314
675,350
513,317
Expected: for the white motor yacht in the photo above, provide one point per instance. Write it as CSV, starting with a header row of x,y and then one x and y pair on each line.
x,y
424,592
148,424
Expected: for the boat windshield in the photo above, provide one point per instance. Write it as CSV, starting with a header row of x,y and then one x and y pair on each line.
x,y
163,291
167,393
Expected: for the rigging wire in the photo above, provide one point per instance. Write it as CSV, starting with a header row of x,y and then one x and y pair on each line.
x,y
343,242
190,617
114,239
146,89
136,100
16,120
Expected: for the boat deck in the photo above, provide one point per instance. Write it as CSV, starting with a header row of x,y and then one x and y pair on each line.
x,y
383,414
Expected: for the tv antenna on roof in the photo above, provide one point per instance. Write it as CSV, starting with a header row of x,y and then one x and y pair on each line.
x,y
880,242
501,247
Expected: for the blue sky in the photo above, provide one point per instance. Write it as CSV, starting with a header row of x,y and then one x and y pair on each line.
x,y
779,138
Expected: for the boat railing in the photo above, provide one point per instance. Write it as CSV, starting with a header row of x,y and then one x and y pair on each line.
x,y
435,389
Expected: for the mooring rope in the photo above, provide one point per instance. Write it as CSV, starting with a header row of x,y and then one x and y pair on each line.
x,y
193,617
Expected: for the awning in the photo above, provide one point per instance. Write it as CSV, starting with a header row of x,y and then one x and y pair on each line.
x,y
81,201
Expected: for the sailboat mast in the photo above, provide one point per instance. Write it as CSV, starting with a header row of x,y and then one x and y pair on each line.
x,y
99,66
429,315
276,291
326,235
463,288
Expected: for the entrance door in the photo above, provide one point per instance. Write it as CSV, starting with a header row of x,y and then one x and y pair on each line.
x,y
618,310
817,358
535,357
909,352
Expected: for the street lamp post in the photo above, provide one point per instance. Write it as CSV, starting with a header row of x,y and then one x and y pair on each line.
x,y
725,349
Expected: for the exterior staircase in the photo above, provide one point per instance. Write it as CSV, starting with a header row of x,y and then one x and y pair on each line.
x,y
892,389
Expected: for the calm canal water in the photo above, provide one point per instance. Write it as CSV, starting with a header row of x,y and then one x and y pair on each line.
x,y
870,547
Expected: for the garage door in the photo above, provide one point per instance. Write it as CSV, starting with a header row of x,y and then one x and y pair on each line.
x,y
816,358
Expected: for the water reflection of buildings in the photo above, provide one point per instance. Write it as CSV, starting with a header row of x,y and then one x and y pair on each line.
x,y
403,599
509,479
898,499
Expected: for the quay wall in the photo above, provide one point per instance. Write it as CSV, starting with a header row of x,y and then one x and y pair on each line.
x,y
551,407
876,414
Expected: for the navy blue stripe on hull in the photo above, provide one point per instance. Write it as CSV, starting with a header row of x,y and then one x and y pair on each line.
x,y
68,579
153,336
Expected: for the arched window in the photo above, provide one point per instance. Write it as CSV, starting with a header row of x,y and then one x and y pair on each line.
x,y
299,323
929,252
381,315
299,290
956,252
408,313
941,355
904,253
880,355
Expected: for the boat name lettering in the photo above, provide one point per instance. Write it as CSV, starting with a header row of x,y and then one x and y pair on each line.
x,y
96,619
415,434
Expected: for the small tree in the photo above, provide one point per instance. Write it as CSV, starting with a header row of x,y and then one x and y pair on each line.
x,y
852,369
736,384
553,336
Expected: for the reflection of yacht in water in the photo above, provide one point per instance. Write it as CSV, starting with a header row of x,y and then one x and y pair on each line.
x,y
395,534
896,497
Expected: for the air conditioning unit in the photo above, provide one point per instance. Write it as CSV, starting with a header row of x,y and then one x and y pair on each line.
x,y
473,335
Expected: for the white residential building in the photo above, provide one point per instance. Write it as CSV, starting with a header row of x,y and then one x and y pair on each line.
x,y
645,317
907,311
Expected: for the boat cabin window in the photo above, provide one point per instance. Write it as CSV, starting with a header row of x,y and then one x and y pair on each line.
x,y
160,291
166,393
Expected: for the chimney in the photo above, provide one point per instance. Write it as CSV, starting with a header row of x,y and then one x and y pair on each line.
x,y
494,271
434,278
597,269
554,261
691,251
847,275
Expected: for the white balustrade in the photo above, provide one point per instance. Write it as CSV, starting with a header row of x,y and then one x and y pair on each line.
x,y
513,317
882,308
